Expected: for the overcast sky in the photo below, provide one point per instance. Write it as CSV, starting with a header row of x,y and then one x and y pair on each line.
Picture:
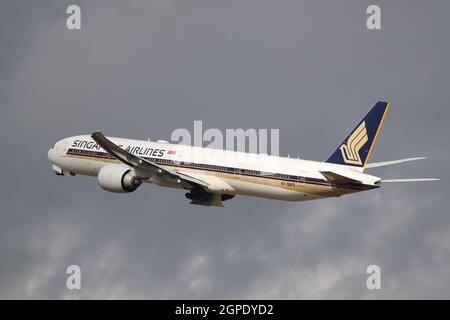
x,y
140,69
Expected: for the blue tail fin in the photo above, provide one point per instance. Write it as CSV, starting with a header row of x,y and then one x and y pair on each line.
x,y
355,149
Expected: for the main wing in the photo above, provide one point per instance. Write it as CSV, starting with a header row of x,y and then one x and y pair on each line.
x,y
145,169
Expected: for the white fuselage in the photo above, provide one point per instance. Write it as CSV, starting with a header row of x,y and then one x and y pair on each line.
x,y
237,173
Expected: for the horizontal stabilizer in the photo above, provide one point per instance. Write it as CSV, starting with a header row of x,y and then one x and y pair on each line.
x,y
388,163
338,179
409,180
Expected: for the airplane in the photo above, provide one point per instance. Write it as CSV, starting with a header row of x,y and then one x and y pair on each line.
x,y
211,176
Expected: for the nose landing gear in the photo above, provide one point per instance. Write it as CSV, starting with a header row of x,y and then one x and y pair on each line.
x,y
62,172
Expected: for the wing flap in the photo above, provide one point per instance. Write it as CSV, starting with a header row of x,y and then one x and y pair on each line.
x,y
190,178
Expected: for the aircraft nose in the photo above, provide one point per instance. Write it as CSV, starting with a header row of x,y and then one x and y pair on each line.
x,y
51,155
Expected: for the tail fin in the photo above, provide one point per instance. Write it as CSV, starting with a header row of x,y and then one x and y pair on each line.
x,y
355,149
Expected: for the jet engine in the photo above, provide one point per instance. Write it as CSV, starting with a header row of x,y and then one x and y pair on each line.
x,y
118,178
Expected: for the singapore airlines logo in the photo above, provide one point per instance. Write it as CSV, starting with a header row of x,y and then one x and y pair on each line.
x,y
350,150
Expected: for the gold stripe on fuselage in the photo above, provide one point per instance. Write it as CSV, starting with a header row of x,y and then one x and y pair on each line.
x,y
316,187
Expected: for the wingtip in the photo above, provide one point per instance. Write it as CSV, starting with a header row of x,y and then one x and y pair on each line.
x,y
97,134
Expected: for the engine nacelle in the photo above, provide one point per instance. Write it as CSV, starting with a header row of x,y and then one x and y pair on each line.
x,y
117,178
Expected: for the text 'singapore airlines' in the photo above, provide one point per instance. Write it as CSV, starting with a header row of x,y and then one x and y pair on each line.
x,y
211,176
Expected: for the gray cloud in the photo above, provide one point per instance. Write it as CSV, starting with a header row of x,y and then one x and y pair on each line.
x,y
141,69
